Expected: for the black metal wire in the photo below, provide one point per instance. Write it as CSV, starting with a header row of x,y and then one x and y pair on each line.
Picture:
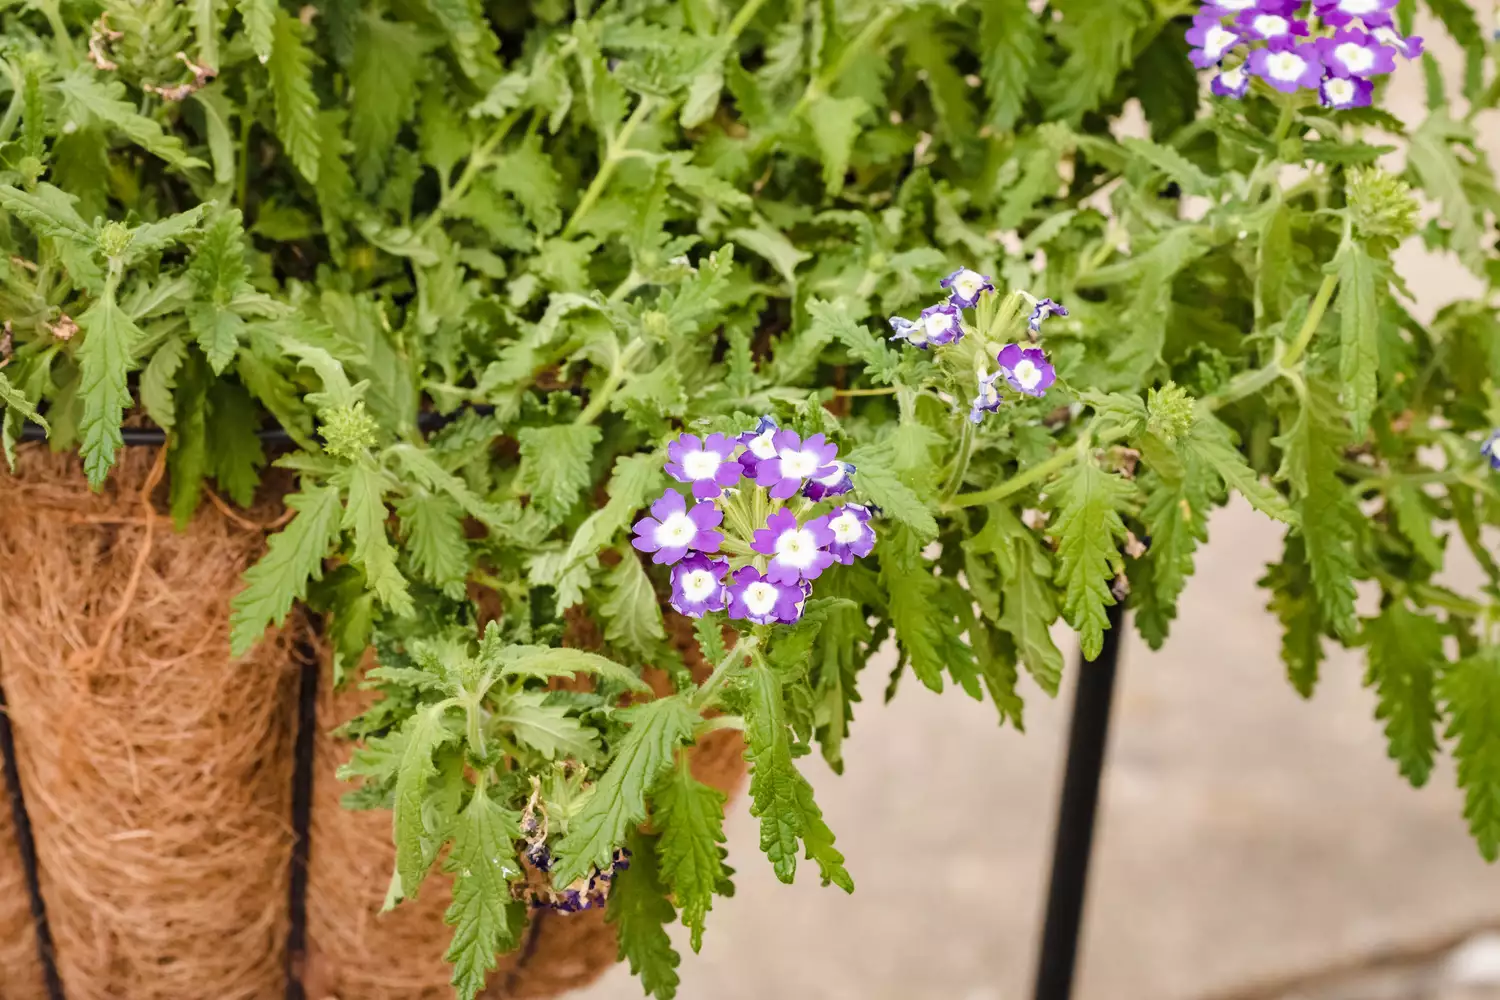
x,y
1088,737
302,782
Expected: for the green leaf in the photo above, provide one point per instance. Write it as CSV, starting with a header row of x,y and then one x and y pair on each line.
x,y
1406,657
390,64
689,816
709,631
657,728
774,248
630,609
235,456
1171,163
219,275
421,466
780,795
87,99
294,555
639,909
152,236
555,463
1442,174
834,123
421,736
1029,606
434,530
1359,333
879,359
15,403
547,662
547,729
1086,503
1010,39
1213,442
1471,693
877,482
48,211
1415,521
365,515
1099,39
636,480
290,67
1296,606
104,359
526,173
260,25
927,631
1176,516
485,918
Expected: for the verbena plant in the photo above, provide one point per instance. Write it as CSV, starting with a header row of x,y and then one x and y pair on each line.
x,y
486,266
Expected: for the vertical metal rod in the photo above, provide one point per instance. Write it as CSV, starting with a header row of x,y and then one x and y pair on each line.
x,y
1076,814
26,844
302,782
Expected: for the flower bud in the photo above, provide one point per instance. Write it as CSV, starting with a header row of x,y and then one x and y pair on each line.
x,y
348,430
114,239
1381,205
1169,412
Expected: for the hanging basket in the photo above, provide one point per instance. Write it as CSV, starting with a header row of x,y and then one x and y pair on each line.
x,y
355,952
20,968
156,768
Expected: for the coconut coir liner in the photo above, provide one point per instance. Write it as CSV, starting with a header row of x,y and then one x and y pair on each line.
x,y
156,769
355,952
20,969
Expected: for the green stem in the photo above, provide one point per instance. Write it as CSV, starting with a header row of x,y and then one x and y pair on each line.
x,y
479,159
742,19
1260,176
1015,484
1310,324
600,400
860,44
865,392
612,157
960,461
706,691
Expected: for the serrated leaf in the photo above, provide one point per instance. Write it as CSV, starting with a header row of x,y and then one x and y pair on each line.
x,y
1099,39
1213,442
547,662
526,173
1471,694
16,404
1406,657
877,482
639,909
1176,516
689,817
636,480
424,732
630,609
104,359
87,99
235,456
290,68
1172,164
834,123
555,464
1359,333
655,731
1086,503
1010,37
294,555
879,359
926,630
547,729
48,211
780,795
1296,606
260,25
432,525
365,516
390,63
1029,608
486,920
709,631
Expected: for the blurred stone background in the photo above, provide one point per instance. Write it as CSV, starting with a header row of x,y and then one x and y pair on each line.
x,y
1251,846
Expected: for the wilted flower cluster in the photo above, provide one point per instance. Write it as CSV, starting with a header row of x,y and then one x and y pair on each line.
x,y
1025,369
761,569
1337,48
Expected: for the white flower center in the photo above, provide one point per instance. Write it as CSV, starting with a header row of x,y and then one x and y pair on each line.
x,y
1389,37
1218,41
1271,25
701,464
1286,65
798,464
1356,58
1359,7
988,394
760,598
698,586
762,447
1237,4
796,548
1340,91
968,283
1233,77
676,531
847,528
1027,373
936,324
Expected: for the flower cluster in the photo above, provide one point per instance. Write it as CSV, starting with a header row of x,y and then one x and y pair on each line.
x,y
1337,48
761,569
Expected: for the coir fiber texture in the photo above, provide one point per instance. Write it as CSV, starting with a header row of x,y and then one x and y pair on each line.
x,y
355,952
20,968
156,768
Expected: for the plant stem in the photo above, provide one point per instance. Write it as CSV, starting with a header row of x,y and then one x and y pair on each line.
x,y
600,400
1310,324
706,691
1259,176
612,157
865,392
960,461
1020,481
819,84
479,158
742,19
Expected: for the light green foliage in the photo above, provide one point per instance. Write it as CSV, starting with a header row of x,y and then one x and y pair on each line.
x,y
104,358
1406,658
641,911
691,817
486,921
294,556
1086,503
1470,691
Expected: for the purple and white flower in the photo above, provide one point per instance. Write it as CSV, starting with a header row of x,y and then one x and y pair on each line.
x,y
758,445
1340,12
1340,92
1287,67
1351,52
941,324
988,400
1211,40
1026,369
1231,83
1224,8
965,286
1409,46
672,529
1043,310
753,597
836,483
1491,450
796,460
1269,26
798,552
698,585
853,538
914,334
707,463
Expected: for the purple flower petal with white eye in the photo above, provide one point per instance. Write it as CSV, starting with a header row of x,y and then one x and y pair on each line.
x,y
673,529
1044,309
1268,26
796,460
965,286
853,538
1409,47
1287,67
754,598
1026,369
1340,92
1351,52
1226,8
708,464
914,334
1231,83
1340,12
758,445
1491,450
836,483
1211,40
798,552
941,324
698,585
988,400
